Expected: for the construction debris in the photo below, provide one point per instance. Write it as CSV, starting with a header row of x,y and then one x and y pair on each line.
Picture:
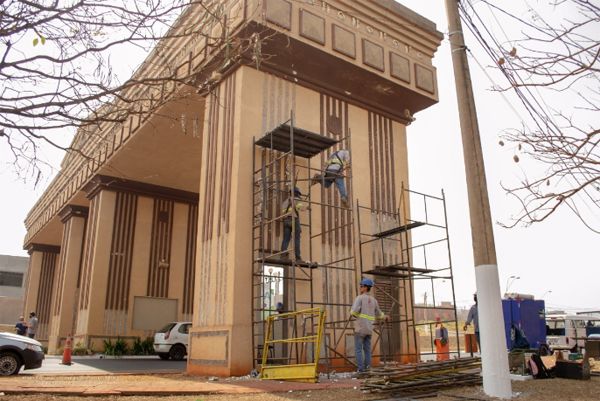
x,y
423,378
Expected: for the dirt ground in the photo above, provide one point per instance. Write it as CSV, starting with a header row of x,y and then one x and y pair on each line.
x,y
534,390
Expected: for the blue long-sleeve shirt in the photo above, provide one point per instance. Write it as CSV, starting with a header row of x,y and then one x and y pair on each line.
x,y
473,317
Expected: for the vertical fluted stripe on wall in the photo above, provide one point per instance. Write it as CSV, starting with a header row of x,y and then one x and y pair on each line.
x,y
226,156
160,248
279,195
62,266
121,252
382,163
224,200
390,133
90,243
278,100
131,207
44,299
190,260
81,251
79,273
208,210
229,150
335,118
212,164
336,243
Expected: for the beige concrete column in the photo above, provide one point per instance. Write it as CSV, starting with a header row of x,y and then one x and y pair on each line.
x,y
33,279
94,272
40,285
64,307
221,337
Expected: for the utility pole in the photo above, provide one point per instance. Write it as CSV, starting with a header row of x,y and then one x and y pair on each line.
x,y
494,358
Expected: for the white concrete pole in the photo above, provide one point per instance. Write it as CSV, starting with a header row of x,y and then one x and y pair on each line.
x,y
496,379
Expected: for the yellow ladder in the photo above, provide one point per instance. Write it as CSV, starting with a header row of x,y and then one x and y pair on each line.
x,y
305,372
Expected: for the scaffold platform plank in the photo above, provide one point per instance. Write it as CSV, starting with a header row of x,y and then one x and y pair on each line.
x,y
288,262
306,143
387,273
404,268
397,271
399,229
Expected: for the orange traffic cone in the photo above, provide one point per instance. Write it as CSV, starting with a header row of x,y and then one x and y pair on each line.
x,y
66,359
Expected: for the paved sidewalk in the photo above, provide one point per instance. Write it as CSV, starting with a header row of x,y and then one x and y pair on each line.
x,y
164,384
105,365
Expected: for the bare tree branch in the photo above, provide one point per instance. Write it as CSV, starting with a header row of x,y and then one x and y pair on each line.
x,y
57,60
553,67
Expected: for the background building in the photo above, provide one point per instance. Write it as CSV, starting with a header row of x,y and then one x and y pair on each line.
x,y
13,277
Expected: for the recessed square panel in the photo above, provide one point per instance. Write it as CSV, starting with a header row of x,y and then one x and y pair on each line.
x,y
344,41
400,67
373,55
424,78
312,27
279,12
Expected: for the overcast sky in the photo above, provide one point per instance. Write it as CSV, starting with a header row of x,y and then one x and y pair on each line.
x,y
558,255
555,258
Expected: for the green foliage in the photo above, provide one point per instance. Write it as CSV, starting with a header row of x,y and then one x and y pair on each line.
x,y
148,346
41,40
137,347
145,347
121,347
109,348
80,349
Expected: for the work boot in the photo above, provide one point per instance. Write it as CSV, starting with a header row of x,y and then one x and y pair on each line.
x,y
345,202
315,180
285,256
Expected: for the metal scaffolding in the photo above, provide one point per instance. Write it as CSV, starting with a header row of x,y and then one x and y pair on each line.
x,y
408,251
394,247
285,158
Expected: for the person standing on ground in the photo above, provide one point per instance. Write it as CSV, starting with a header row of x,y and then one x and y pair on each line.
x,y
21,326
473,317
291,222
32,326
366,311
335,165
442,348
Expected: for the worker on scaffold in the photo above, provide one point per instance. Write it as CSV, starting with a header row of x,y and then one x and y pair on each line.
x,y
292,224
335,165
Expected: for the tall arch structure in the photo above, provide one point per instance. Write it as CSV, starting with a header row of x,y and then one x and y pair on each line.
x,y
158,222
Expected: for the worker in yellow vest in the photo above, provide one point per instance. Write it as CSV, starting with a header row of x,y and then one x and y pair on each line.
x,y
366,311
291,222
335,165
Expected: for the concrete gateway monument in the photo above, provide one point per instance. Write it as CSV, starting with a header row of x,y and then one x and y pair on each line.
x,y
177,215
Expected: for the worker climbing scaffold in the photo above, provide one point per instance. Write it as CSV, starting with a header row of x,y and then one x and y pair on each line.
x,y
336,163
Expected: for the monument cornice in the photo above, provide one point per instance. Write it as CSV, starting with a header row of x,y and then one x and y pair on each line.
x,y
73,211
34,247
107,183
390,72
